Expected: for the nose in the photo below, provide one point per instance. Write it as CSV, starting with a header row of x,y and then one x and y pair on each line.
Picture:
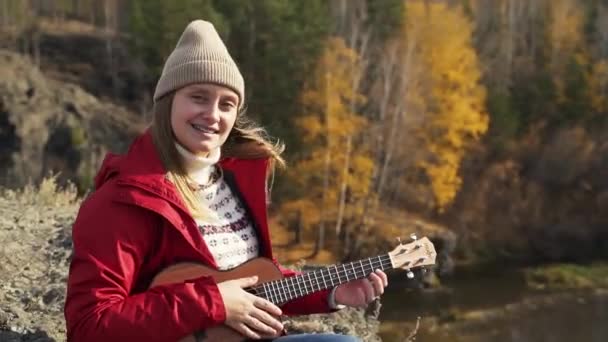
x,y
212,111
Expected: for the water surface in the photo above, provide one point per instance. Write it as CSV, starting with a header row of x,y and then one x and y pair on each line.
x,y
495,306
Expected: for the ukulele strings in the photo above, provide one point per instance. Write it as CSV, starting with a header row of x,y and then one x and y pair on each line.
x,y
275,290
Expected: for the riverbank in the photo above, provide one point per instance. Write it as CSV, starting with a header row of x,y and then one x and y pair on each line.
x,y
568,276
503,305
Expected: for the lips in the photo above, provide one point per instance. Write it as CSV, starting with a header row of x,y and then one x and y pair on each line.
x,y
204,129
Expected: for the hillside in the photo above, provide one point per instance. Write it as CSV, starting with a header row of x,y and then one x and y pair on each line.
x,y
48,126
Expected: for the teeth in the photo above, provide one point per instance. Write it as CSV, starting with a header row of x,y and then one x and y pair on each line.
x,y
203,129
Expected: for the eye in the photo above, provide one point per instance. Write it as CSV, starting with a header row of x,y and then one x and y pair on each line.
x,y
199,98
228,105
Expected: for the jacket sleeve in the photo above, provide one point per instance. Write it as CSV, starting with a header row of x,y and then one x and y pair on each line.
x,y
110,246
317,302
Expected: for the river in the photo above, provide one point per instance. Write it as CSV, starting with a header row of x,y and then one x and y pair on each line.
x,y
493,306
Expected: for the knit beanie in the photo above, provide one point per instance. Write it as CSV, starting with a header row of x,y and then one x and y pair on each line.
x,y
200,56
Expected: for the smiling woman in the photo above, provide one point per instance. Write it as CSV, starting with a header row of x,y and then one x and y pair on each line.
x,y
203,116
191,189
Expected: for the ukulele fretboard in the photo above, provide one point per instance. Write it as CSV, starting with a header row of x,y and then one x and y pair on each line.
x,y
284,290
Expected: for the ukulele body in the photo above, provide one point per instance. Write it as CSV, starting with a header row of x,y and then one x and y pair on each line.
x,y
264,268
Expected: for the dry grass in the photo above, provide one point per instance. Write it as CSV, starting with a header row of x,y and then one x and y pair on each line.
x,y
47,193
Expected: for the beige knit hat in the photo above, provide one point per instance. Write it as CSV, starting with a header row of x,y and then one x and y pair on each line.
x,y
200,56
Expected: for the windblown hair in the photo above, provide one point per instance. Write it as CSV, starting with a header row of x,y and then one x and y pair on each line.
x,y
245,141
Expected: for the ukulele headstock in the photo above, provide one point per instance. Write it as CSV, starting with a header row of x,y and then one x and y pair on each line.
x,y
419,253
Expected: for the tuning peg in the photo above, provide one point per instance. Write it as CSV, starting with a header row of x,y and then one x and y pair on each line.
x,y
410,274
413,236
399,239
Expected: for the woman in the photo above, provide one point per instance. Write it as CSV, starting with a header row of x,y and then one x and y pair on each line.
x,y
191,188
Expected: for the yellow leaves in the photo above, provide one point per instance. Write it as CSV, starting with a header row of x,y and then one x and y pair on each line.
x,y
311,214
567,38
330,95
311,127
457,116
566,29
329,127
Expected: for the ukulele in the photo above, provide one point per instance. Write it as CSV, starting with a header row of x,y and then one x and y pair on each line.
x,y
277,289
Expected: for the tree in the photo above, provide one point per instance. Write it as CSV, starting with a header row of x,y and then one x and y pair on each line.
x,y
328,128
454,103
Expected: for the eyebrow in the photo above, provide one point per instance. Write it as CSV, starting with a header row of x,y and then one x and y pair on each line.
x,y
205,91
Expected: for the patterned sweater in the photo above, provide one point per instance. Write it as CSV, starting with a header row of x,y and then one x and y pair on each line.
x,y
228,233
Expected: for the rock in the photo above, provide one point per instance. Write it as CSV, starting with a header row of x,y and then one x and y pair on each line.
x,y
47,126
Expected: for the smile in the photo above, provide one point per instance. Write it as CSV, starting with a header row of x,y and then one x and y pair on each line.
x,y
204,129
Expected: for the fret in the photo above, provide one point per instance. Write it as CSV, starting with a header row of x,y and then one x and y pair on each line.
x,y
294,280
352,265
381,265
331,278
299,288
271,295
285,288
275,288
323,277
291,286
345,272
266,294
310,281
335,276
319,286
282,292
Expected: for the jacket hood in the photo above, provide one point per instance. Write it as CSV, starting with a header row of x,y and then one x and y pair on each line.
x,y
109,168
140,161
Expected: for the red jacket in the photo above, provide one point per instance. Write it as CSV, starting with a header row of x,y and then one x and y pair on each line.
x,y
134,225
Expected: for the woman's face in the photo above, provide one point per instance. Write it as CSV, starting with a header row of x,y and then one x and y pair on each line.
x,y
202,116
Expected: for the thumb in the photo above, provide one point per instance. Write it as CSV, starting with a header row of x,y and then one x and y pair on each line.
x,y
247,281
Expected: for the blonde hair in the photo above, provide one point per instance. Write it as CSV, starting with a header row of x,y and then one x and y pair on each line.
x,y
245,141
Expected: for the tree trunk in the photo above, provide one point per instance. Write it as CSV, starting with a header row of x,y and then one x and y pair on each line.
x,y
344,185
405,78
298,231
320,243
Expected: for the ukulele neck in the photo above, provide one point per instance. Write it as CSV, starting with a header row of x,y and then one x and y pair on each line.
x,y
284,290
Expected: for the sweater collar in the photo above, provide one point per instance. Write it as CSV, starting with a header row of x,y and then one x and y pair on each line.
x,y
199,168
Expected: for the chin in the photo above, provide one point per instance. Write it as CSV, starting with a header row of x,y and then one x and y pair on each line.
x,y
202,149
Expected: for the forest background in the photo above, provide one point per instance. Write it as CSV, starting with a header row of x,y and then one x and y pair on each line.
x,y
484,117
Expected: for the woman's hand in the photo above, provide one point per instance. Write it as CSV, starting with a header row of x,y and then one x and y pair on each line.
x,y
359,293
252,316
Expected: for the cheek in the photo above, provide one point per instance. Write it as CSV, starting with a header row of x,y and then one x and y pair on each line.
x,y
229,123
181,115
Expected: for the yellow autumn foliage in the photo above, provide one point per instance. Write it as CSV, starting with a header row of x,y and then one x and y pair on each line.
x,y
329,100
567,41
457,117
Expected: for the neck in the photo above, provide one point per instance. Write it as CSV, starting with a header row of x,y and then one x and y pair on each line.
x,y
199,168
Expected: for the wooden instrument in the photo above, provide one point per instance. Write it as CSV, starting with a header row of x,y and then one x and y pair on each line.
x,y
277,289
